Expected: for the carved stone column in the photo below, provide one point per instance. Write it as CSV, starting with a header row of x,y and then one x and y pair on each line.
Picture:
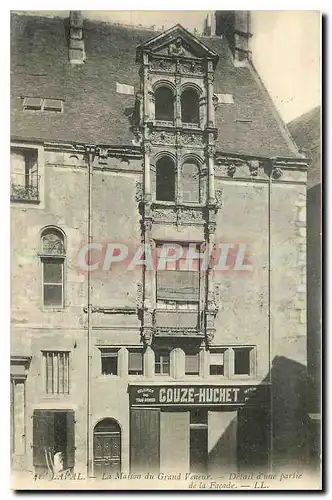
x,y
210,162
209,82
178,117
147,173
146,87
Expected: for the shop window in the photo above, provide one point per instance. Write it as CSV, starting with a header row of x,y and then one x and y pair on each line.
x,y
190,106
56,372
242,357
190,183
24,175
52,258
53,441
216,363
192,364
162,363
135,362
165,180
164,104
109,361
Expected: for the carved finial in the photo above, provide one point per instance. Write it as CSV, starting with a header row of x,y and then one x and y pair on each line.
x,y
231,170
276,173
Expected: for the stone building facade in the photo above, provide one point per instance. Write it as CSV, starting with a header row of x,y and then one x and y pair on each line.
x,y
126,137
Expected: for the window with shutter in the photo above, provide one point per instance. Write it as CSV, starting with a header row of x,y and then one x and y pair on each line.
x,y
135,362
192,364
216,363
109,361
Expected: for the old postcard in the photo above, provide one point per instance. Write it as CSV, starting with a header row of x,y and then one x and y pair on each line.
x,y
166,240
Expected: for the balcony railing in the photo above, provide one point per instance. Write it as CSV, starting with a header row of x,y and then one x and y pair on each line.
x,y
24,189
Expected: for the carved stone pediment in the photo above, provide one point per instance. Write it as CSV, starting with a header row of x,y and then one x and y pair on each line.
x,y
177,43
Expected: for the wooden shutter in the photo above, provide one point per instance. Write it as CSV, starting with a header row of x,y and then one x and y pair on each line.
x,y
144,440
43,436
135,361
70,451
192,363
174,441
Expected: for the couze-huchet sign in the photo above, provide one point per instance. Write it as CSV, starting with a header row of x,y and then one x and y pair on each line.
x,y
190,395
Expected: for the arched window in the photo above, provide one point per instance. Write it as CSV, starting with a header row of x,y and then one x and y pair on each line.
x,y
52,258
164,105
165,180
189,106
190,182
106,448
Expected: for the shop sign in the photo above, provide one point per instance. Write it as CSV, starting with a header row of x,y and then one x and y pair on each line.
x,y
181,395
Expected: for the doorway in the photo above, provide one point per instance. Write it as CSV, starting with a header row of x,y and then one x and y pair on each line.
x,y
106,448
198,440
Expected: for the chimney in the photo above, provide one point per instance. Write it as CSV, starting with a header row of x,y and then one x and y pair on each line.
x,y
76,41
235,26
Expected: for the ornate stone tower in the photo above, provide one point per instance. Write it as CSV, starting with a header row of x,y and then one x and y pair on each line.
x,y
177,130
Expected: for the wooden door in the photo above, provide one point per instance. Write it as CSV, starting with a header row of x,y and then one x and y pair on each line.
x,y
107,451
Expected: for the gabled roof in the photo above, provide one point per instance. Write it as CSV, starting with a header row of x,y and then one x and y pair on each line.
x,y
95,113
188,45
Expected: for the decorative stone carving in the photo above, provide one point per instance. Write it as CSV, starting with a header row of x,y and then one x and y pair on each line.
x,y
191,68
276,173
162,137
210,78
139,192
218,195
162,65
178,332
253,167
211,227
231,169
146,148
192,140
164,215
186,216
209,336
147,335
209,151
139,296
215,101
176,48
147,225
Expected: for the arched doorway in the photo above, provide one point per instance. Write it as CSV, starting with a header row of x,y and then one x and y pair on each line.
x,y
106,448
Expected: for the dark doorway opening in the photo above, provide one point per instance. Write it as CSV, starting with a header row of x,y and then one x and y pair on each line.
x,y
198,440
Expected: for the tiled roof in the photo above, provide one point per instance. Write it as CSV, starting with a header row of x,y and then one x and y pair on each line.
x,y
95,113
306,131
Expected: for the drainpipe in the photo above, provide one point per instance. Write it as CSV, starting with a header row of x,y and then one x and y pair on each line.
x,y
270,173
91,152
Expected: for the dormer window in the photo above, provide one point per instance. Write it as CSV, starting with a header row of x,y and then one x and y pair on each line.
x,y
165,180
164,107
190,106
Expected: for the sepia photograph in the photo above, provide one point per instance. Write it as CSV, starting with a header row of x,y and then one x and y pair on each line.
x,y
165,246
